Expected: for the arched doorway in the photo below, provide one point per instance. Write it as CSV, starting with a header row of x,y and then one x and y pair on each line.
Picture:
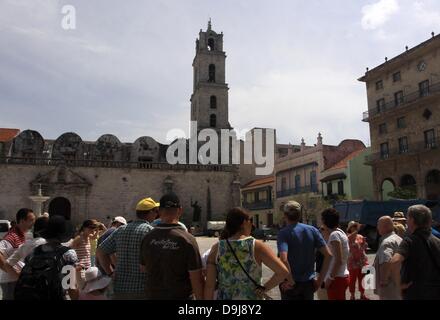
x,y
408,187
60,206
387,186
433,185
407,181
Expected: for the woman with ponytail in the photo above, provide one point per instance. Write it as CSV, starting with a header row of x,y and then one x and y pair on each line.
x,y
235,262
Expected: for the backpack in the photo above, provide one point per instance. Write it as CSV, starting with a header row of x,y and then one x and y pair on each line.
x,y
41,277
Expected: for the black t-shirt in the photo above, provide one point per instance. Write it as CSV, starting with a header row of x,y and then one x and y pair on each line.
x,y
421,266
169,253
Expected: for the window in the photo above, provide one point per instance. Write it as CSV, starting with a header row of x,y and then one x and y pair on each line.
x,y
270,219
430,142
213,121
250,197
401,123
383,128
380,105
313,184
398,98
397,76
384,151
329,188
379,85
262,196
283,184
341,188
297,183
211,44
403,145
424,88
213,102
211,73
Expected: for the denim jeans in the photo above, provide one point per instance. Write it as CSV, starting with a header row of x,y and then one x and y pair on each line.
x,y
300,291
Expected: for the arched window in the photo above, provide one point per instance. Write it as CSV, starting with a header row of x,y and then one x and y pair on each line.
x,y
211,44
211,73
212,120
213,102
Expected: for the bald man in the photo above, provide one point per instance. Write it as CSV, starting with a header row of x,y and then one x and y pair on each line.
x,y
386,287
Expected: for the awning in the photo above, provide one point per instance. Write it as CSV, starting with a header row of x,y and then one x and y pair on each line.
x,y
337,176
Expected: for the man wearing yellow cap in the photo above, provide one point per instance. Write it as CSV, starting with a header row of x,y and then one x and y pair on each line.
x,y
125,242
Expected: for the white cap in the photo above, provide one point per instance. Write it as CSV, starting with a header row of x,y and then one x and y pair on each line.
x,y
120,219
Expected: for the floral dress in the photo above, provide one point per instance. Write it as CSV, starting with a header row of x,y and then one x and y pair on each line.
x,y
233,283
357,258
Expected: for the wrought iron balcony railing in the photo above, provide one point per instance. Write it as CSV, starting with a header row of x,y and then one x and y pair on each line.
x,y
410,149
290,192
401,102
261,205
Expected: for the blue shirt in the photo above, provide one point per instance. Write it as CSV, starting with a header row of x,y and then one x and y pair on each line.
x,y
300,241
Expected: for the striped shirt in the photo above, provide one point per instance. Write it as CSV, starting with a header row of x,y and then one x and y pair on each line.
x,y
83,253
10,243
15,237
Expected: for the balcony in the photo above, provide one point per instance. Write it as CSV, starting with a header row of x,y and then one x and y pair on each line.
x,y
291,192
411,149
402,101
261,205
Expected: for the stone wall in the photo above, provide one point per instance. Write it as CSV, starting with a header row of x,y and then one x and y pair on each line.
x,y
115,191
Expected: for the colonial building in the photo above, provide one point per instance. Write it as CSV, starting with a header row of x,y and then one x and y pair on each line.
x,y
105,178
404,116
258,198
298,171
349,179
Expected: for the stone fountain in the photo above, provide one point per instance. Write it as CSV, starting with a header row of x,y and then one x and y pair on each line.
x,y
38,200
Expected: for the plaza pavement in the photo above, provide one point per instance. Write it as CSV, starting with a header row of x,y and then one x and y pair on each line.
x,y
205,243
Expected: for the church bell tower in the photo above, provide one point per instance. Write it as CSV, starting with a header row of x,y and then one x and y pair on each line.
x,y
209,100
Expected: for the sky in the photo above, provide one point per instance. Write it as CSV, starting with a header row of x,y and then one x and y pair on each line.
x,y
126,69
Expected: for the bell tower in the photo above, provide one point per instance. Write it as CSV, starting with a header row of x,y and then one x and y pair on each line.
x,y
209,100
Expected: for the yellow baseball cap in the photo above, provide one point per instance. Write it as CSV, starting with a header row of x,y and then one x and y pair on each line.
x,y
146,204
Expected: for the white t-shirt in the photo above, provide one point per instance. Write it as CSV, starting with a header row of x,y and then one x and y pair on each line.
x,y
16,260
6,249
339,236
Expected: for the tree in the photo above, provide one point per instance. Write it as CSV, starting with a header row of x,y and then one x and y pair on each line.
x,y
406,193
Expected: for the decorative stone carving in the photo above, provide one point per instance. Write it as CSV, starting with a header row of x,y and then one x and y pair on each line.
x,y
108,148
28,144
68,146
145,149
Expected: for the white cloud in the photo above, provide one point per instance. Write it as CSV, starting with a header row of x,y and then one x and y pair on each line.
x,y
332,105
426,17
377,14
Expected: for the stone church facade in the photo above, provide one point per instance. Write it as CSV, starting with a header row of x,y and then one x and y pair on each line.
x,y
106,178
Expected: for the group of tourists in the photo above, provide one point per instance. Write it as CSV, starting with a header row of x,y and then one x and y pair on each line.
x,y
154,257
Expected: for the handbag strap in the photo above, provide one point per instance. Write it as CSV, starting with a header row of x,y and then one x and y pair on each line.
x,y
259,286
